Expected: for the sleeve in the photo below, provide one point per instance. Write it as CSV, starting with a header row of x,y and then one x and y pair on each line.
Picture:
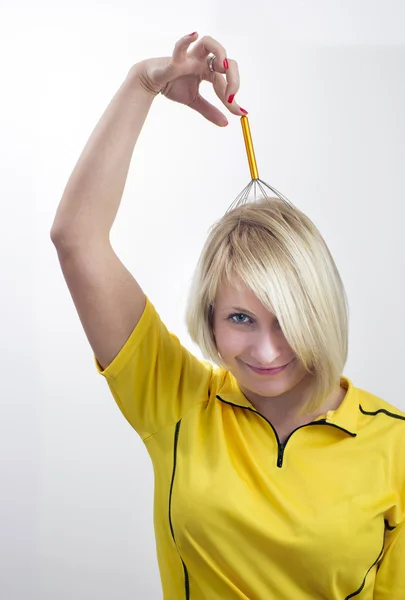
x,y
153,378
390,579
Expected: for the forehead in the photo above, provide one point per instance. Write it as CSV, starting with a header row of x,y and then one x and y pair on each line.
x,y
236,293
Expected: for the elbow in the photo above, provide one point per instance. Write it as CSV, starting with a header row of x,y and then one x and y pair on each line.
x,y
63,238
58,235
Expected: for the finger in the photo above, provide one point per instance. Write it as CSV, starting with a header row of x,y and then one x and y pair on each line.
x,y
209,111
206,46
182,46
221,87
232,78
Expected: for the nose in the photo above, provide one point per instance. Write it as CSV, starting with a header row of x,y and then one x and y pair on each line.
x,y
266,349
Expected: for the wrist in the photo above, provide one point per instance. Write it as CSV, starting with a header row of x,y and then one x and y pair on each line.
x,y
138,78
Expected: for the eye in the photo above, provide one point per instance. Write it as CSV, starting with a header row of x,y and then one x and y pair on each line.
x,y
240,319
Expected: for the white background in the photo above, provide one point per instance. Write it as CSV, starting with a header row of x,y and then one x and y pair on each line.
x,y
323,82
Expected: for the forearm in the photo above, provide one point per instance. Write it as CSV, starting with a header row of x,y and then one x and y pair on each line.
x,y
92,196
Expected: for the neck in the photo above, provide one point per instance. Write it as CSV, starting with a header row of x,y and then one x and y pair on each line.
x,y
285,408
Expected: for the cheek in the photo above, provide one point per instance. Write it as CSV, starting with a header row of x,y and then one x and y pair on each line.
x,y
231,342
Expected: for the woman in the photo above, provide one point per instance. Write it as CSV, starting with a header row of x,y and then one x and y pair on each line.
x,y
276,478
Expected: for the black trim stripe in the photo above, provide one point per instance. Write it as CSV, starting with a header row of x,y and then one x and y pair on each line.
x,y
388,526
393,416
323,422
357,592
175,444
281,447
382,411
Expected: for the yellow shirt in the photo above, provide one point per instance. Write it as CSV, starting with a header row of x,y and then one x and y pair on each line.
x,y
240,516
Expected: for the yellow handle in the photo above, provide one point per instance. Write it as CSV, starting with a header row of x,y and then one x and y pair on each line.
x,y
249,147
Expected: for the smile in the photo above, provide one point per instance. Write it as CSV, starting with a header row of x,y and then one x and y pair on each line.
x,y
274,371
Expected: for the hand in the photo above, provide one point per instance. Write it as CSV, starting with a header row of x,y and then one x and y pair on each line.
x,y
179,76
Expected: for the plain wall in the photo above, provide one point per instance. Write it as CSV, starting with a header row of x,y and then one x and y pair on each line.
x,y
324,86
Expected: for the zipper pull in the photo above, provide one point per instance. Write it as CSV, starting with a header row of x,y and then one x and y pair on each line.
x,y
280,455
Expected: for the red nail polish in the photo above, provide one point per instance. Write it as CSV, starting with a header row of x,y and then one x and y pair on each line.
x,y
245,112
230,99
226,64
191,34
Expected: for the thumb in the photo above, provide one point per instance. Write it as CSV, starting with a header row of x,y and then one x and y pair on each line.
x,y
209,111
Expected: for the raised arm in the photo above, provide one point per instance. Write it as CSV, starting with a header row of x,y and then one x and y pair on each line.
x,y
108,299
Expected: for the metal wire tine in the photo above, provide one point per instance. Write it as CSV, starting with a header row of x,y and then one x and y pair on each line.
x,y
263,191
276,192
258,190
241,198
248,188
247,191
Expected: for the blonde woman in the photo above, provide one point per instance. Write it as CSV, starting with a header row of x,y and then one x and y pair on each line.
x,y
276,478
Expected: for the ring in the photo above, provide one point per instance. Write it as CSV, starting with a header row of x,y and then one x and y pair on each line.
x,y
210,62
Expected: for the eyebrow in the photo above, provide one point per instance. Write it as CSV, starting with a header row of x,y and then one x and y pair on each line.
x,y
240,309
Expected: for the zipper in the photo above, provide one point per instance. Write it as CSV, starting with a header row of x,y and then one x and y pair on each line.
x,y
280,455
281,446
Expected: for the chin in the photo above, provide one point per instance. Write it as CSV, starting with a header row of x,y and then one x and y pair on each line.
x,y
270,385
269,388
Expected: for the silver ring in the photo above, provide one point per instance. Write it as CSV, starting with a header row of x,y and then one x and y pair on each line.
x,y
210,62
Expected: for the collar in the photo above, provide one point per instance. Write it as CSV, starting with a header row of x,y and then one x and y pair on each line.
x,y
345,416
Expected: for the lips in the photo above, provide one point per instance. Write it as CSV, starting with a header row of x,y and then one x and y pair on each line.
x,y
269,371
268,368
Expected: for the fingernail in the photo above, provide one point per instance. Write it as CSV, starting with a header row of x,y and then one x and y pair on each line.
x,y
230,99
245,112
191,34
226,64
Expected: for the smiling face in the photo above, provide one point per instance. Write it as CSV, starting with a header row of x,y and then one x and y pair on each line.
x,y
252,344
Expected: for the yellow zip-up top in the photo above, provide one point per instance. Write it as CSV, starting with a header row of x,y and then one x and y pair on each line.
x,y
238,515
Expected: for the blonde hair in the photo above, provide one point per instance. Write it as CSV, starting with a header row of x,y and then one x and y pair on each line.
x,y
279,254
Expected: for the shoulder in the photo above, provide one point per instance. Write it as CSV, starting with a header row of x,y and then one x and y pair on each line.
x,y
381,415
373,405
383,424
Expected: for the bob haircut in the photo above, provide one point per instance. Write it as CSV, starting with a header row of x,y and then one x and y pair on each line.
x,y
279,254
